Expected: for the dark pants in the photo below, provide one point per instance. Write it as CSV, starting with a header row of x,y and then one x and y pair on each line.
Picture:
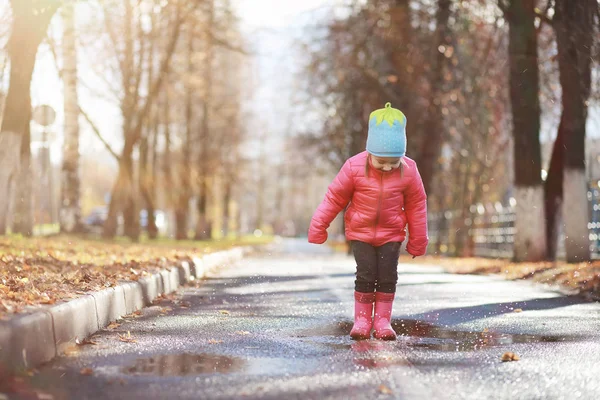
x,y
376,267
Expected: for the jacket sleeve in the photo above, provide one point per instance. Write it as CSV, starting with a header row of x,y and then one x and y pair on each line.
x,y
415,205
337,198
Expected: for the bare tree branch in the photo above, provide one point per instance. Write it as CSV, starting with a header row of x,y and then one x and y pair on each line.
x,y
98,134
113,37
141,57
503,7
162,71
223,43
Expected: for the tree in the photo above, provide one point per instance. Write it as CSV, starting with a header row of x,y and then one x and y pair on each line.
x,y
29,24
434,127
204,227
530,237
184,191
574,27
23,203
70,208
135,64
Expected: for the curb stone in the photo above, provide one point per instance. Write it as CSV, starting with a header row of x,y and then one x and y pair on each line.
x,y
27,341
110,305
72,320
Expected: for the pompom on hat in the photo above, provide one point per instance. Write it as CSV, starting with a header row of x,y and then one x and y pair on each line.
x,y
387,132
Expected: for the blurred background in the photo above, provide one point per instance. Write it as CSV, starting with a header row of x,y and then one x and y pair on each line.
x,y
203,119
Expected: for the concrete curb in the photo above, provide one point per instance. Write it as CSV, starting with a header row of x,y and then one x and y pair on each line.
x,y
29,340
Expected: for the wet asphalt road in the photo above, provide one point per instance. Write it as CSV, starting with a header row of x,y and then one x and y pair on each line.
x,y
276,326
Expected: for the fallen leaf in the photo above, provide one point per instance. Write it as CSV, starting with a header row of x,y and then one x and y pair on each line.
x,y
127,338
215,341
243,332
385,390
113,325
508,356
72,350
88,341
517,310
86,371
486,330
165,310
224,312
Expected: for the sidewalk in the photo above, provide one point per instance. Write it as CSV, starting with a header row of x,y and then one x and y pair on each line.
x,y
87,296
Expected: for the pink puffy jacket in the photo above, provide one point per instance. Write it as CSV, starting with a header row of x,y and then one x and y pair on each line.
x,y
381,205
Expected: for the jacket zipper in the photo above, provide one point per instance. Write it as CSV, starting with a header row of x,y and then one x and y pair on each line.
x,y
378,207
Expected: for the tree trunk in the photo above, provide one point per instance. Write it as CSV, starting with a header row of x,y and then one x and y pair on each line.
x,y
23,218
530,236
226,207
401,38
30,22
70,210
203,228
131,216
574,23
121,192
434,126
553,192
183,200
146,183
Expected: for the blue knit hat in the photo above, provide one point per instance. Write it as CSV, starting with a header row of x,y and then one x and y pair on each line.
x,y
387,132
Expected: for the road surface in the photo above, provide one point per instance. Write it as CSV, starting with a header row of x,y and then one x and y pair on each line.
x,y
276,326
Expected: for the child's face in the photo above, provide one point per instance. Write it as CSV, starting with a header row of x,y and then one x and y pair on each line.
x,y
385,163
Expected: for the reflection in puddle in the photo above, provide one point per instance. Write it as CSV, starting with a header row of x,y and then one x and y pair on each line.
x,y
440,338
184,364
377,354
421,334
418,335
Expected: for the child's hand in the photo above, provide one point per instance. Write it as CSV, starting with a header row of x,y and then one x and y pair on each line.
x,y
317,238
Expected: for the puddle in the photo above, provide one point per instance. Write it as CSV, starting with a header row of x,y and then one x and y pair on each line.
x,y
421,334
184,365
434,337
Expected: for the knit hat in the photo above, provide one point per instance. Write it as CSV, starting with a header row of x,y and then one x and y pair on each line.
x,y
387,132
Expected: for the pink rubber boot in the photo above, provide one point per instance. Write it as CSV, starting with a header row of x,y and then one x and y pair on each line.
x,y
383,316
363,315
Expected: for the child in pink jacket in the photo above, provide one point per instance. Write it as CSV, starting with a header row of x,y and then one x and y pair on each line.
x,y
383,193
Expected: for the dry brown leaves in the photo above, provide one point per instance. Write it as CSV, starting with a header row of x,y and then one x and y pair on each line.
x,y
42,271
385,390
127,338
113,325
582,277
508,356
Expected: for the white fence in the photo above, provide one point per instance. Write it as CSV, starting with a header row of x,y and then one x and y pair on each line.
x,y
490,230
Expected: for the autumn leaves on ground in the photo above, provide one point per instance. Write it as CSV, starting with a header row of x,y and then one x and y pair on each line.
x,y
39,271
582,278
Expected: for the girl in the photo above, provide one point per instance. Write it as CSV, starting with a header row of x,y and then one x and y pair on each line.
x,y
385,193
